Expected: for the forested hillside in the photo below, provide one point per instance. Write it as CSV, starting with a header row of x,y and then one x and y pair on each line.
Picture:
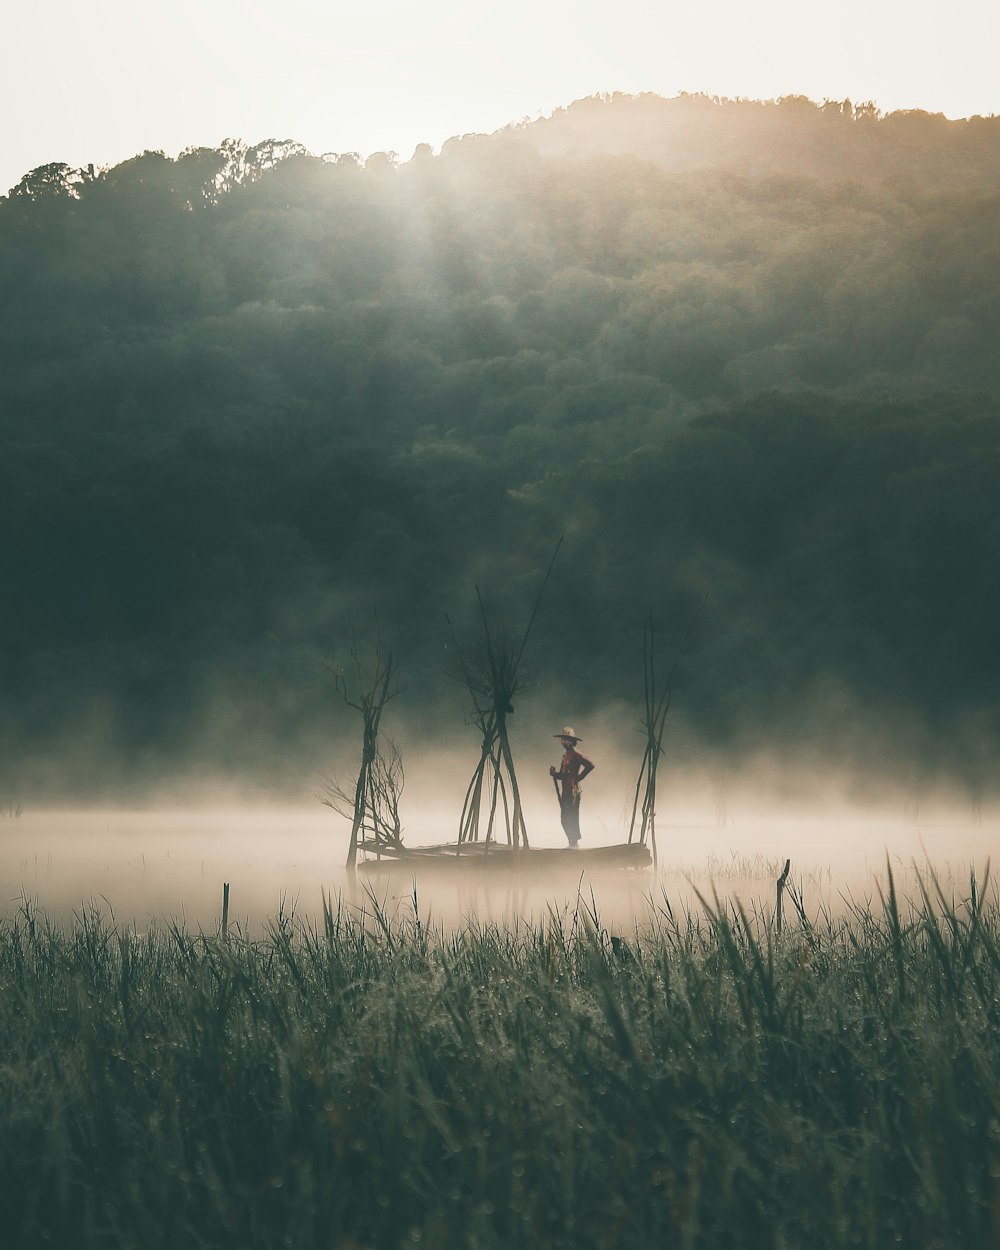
x,y
730,348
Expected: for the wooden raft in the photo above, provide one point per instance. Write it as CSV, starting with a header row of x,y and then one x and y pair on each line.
x,y
500,857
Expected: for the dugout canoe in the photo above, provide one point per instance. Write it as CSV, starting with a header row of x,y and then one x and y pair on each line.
x,y
500,857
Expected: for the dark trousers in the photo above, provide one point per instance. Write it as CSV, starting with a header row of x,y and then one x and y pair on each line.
x,y
569,814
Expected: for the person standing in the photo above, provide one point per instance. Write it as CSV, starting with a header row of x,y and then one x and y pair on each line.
x,y
573,767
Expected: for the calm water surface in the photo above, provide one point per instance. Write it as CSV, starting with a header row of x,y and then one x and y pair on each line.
x,y
147,867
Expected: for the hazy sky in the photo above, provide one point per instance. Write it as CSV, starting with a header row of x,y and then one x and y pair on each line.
x,y
101,81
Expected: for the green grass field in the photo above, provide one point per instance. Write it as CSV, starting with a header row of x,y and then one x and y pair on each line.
x,y
367,1083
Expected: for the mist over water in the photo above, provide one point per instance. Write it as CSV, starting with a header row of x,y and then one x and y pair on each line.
x,y
716,840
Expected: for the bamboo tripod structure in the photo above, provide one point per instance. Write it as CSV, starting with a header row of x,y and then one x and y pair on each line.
x,y
492,672
642,826
375,804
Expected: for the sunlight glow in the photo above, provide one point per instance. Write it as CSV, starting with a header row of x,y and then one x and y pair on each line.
x,y
389,74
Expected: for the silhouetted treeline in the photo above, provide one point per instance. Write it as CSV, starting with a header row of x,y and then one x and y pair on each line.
x,y
250,392
834,140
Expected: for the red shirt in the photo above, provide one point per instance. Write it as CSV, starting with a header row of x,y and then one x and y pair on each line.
x,y
571,766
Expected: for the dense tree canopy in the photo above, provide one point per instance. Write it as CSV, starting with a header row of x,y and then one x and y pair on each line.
x,y
724,346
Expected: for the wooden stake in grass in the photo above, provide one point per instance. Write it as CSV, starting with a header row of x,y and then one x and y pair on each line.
x,y
225,911
492,670
779,894
642,826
